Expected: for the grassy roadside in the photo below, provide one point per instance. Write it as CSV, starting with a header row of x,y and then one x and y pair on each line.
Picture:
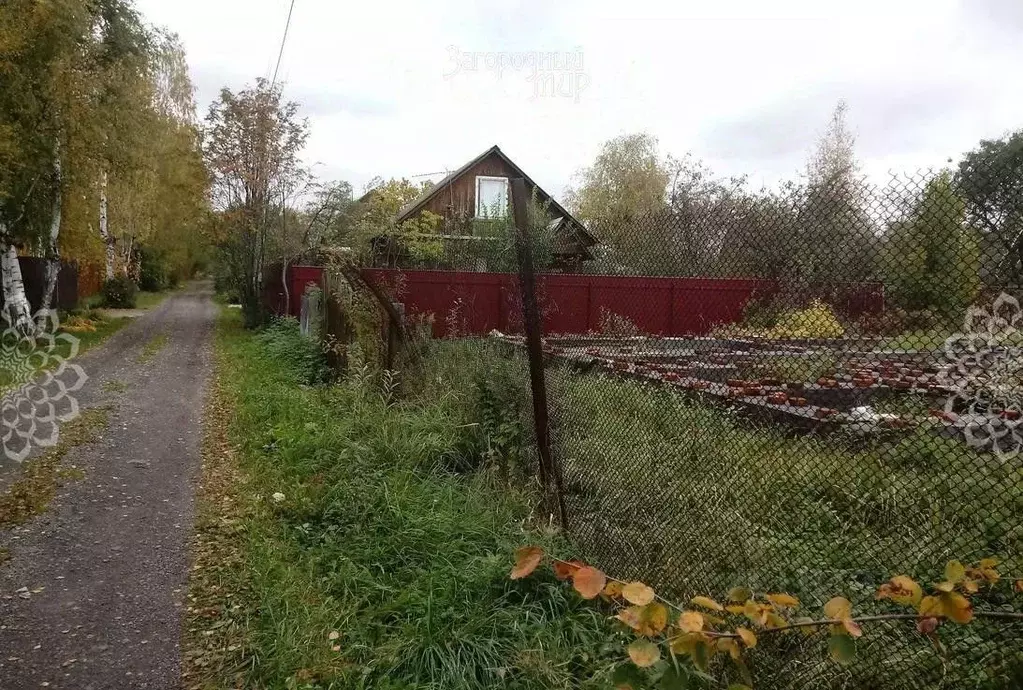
x,y
365,561
47,357
40,477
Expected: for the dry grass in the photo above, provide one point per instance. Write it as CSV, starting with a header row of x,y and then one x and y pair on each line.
x,y
214,637
40,477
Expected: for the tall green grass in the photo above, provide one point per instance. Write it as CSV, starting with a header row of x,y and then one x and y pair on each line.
x,y
379,538
695,499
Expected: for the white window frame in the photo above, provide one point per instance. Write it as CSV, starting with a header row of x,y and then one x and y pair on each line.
x,y
480,211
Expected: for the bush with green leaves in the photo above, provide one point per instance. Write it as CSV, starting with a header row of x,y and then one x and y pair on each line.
x,y
120,292
285,344
154,274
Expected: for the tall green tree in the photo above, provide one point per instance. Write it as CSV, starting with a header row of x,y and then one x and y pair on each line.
x,y
932,257
990,180
45,56
836,237
628,179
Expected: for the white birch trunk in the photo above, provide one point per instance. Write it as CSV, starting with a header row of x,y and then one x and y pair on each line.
x,y
104,230
17,312
52,249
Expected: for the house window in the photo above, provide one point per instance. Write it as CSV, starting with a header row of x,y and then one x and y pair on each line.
x,y
491,197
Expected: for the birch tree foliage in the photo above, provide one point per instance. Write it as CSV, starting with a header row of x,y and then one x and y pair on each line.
x,y
251,144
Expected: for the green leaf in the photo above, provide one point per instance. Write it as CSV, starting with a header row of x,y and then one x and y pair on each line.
x,y
739,595
627,677
842,649
701,655
675,678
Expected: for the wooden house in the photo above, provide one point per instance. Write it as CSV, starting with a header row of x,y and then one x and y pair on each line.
x,y
481,189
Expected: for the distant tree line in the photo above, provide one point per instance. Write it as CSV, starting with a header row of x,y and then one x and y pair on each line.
x,y
935,238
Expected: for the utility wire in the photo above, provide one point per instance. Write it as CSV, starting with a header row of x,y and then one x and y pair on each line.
x,y
287,25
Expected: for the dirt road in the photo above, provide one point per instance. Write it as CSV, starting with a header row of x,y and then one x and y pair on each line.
x,y
104,570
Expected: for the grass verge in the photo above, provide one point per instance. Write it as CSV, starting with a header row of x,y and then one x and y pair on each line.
x,y
368,562
152,348
39,478
45,356
151,300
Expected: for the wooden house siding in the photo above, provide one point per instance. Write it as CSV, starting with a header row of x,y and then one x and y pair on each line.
x,y
457,198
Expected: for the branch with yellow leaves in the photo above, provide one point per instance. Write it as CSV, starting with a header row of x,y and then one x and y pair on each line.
x,y
705,630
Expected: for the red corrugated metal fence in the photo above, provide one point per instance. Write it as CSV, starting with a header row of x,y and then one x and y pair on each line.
x,y
476,303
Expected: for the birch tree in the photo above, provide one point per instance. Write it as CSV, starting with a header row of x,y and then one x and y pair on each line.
x,y
251,144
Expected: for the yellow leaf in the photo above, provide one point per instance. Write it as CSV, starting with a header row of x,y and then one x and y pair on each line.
x,y
954,571
739,595
946,586
646,620
956,607
783,600
707,603
987,563
729,646
838,608
773,620
589,582
736,609
710,619
653,619
630,616
902,590
930,607
613,589
526,560
690,621
748,638
969,586
644,653
637,593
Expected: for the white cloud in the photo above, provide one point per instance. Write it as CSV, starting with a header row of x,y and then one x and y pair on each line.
x,y
742,83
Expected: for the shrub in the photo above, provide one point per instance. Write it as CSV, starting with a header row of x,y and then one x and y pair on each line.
x,y
153,273
119,293
295,353
818,320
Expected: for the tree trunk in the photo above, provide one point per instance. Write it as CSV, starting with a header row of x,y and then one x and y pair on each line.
x,y
104,230
17,312
52,250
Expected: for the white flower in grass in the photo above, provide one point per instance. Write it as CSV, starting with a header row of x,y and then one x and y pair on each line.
x,y
277,497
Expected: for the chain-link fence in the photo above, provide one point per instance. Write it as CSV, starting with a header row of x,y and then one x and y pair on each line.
x,y
808,390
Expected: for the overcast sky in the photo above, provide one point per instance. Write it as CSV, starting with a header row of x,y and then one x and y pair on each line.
x,y
406,88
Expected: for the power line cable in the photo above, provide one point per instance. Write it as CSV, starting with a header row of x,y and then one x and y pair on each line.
x,y
280,53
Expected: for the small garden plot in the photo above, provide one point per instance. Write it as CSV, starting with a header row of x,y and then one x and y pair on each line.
x,y
807,384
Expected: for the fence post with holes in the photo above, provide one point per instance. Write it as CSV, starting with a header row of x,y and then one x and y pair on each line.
x,y
550,474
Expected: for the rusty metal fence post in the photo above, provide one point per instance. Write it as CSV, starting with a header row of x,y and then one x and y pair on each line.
x,y
550,474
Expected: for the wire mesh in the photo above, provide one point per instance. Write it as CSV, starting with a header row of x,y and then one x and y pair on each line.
x,y
809,390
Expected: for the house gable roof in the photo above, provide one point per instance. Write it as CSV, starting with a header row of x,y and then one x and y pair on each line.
x,y
420,202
